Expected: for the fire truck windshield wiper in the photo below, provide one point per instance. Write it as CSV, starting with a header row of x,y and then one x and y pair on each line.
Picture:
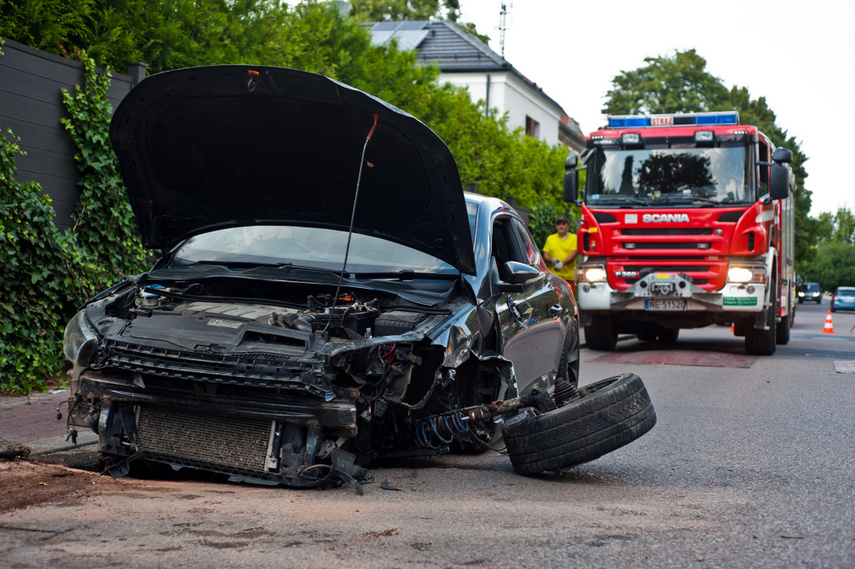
x,y
618,200
678,198
706,200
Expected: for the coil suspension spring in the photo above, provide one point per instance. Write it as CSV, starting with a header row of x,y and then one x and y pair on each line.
x,y
435,432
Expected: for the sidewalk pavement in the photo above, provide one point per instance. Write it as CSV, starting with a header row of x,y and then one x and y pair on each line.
x,y
31,422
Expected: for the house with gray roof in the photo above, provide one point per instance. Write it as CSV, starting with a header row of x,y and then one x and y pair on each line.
x,y
466,61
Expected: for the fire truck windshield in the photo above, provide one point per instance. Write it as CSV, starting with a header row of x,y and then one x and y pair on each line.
x,y
669,176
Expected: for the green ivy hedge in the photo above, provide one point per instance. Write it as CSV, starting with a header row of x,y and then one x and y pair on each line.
x,y
48,274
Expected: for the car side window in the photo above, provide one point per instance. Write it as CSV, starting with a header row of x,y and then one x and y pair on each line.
x,y
509,243
527,248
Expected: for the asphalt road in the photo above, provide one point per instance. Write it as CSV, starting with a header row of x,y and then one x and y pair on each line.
x,y
751,464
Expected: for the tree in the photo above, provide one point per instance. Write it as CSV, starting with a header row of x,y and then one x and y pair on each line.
x,y
833,265
380,10
836,227
667,85
44,24
315,36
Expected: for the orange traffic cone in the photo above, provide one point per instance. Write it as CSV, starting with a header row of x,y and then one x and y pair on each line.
x,y
829,327
732,328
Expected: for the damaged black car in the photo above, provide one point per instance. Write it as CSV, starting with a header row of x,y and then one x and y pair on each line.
x,y
326,295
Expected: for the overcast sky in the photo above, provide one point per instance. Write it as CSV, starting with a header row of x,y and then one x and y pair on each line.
x,y
799,55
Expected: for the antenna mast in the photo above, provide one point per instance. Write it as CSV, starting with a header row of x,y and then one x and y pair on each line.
x,y
503,27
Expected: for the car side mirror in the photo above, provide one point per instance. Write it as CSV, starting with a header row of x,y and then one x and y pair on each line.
x,y
519,276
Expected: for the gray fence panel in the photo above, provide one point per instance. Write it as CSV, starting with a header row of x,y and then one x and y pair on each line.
x,y
31,105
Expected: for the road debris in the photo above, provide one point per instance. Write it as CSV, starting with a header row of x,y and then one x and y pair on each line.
x,y
13,453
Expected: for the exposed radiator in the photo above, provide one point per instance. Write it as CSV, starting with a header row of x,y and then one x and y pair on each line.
x,y
233,444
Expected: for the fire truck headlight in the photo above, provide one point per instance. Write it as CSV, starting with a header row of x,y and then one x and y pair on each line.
x,y
740,275
746,275
595,274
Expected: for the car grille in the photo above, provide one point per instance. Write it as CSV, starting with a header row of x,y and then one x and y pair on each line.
x,y
230,445
245,368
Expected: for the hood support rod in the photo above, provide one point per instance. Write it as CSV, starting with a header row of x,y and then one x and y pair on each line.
x,y
352,218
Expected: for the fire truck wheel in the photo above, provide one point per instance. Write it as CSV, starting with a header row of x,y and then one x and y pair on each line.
x,y
602,417
762,342
668,335
782,331
600,334
648,333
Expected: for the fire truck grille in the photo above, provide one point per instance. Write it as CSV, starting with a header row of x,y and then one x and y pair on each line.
x,y
670,231
688,269
222,444
673,245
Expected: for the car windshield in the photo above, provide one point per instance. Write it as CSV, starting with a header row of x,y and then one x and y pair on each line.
x,y
846,290
305,246
668,176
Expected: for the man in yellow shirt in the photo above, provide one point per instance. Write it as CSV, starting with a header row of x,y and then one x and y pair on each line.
x,y
560,252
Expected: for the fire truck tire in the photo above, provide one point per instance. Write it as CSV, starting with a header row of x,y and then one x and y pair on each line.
x,y
668,335
762,342
600,333
647,333
605,416
782,331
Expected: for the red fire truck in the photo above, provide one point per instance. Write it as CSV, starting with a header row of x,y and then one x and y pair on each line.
x,y
687,221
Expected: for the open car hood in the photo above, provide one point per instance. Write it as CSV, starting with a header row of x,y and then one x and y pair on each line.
x,y
213,147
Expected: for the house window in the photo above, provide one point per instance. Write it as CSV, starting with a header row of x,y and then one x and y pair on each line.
x,y
532,127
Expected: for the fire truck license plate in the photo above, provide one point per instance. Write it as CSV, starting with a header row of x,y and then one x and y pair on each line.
x,y
665,304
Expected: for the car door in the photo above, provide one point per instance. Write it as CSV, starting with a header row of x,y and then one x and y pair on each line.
x,y
532,332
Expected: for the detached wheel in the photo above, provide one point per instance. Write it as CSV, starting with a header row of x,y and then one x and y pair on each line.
x,y
607,415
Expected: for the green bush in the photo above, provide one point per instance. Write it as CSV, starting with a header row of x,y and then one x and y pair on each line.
x,y
542,223
48,274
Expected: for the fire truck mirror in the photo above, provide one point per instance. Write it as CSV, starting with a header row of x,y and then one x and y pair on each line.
x,y
571,186
571,162
782,155
779,182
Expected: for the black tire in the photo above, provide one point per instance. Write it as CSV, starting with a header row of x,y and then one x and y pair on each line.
x,y
647,333
782,331
608,415
762,342
569,367
600,334
668,335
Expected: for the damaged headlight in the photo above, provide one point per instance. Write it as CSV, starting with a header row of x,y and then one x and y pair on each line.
x,y
79,340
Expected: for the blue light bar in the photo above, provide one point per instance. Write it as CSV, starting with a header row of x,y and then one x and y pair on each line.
x,y
699,119
718,118
629,122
